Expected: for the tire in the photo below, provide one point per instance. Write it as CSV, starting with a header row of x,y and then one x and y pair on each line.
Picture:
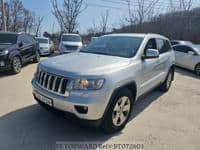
x,y
197,69
37,58
113,120
16,65
165,86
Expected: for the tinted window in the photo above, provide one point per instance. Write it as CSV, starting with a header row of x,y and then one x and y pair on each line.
x,y
71,38
174,43
8,39
151,44
183,49
163,45
114,45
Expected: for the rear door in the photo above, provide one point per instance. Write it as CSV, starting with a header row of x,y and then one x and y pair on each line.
x,y
28,47
164,63
181,54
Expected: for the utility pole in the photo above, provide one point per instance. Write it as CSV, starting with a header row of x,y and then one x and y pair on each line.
x,y
3,15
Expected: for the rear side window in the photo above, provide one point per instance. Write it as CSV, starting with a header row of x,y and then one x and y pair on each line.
x,y
174,43
183,49
163,45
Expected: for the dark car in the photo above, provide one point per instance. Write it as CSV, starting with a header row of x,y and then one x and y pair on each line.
x,y
17,49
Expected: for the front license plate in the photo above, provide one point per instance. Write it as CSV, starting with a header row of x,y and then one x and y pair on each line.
x,y
44,99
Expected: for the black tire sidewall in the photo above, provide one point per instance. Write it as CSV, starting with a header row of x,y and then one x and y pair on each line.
x,y
196,69
13,68
108,125
164,86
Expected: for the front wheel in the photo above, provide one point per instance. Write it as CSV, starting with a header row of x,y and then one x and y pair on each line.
x,y
118,112
197,69
168,81
16,65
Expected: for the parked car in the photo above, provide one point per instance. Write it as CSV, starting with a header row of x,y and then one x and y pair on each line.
x,y
188,56
93,38
17,49
45,46
176,42
70,43
107,78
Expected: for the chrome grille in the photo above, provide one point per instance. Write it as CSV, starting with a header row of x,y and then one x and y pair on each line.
x,y
53,83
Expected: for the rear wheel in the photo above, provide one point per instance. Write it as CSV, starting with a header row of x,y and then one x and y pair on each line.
x,y
16,65
197,69
119,111
37,57
168,81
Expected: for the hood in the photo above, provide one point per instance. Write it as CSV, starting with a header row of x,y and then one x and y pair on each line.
x,y
84,64
43,44
3,47
72,43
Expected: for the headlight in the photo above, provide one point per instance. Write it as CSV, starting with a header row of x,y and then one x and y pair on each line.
x,y
5,52
88,84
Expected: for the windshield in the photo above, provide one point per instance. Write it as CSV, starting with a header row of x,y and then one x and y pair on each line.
x,y
43,41
8,39
71,38
114,46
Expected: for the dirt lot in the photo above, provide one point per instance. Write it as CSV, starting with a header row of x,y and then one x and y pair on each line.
x,y
160,121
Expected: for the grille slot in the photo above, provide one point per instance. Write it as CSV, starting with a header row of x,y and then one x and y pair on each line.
x,y
52,83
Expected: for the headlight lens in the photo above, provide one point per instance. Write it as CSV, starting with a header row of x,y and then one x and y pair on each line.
x,y
88,84
5,52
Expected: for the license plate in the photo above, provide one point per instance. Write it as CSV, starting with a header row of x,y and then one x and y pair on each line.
x,y
44,99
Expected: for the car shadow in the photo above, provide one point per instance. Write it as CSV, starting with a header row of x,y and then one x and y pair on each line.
x,y
9,73
144,101
185,72
33,127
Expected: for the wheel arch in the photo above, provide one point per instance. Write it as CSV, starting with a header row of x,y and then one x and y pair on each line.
x,y
132,86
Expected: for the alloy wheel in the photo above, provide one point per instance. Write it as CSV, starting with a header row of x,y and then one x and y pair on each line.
x,y
121,111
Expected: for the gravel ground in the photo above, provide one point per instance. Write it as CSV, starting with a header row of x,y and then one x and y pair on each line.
x,y
160,121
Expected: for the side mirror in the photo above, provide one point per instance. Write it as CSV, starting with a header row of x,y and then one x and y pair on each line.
x,y
191,53
20,44
151,54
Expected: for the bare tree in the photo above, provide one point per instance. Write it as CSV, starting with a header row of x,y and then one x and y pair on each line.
x,y
16,15
68,15
3,16
144,9
131,19
180,5
38,24
104,21
28,23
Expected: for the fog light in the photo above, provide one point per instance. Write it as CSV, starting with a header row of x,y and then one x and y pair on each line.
x,y
81,109
2,63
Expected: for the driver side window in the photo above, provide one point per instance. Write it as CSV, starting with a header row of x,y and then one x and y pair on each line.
x,y
151,44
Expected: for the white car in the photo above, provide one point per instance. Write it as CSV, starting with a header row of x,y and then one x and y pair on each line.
x,y
44,45
70,43
188,56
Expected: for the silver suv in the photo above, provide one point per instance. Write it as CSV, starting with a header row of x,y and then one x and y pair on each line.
x,y
101,83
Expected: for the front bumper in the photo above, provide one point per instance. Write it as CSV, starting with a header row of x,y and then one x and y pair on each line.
x,y
95,101
5,63
45,52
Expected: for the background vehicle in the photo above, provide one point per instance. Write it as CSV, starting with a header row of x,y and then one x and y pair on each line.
x,y
45,46
17,49
188,56
109,76
176,42
70,43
